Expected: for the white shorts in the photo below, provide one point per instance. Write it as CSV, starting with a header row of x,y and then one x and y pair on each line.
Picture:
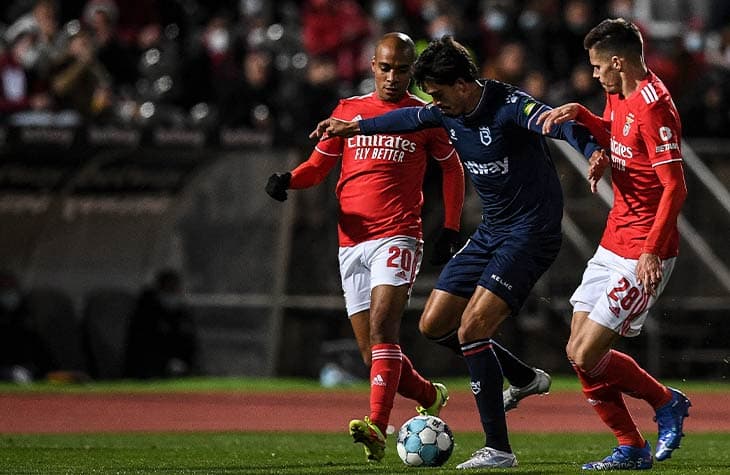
x,y
610,293
388,261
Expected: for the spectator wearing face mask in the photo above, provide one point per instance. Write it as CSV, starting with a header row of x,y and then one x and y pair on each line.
x,y
48,45
20,89
212,71
162,338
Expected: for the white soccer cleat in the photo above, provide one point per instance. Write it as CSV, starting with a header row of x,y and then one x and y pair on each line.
x,y
487,457
540,385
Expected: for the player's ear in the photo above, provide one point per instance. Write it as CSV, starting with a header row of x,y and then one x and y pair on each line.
x,y
616,63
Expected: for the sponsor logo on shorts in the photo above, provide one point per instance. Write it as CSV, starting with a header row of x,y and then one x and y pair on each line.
x,y
502,281
402,274
476,387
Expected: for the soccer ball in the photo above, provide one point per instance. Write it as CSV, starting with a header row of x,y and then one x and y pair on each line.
x,y
425,441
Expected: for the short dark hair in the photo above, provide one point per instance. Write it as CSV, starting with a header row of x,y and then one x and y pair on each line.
x,y
615,36
443,62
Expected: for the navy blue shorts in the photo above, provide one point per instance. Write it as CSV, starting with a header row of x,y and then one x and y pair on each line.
x,y
508,265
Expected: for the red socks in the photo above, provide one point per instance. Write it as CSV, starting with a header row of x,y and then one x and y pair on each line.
x,y
392,372
385,374
609,404
414,386
603,385
627,376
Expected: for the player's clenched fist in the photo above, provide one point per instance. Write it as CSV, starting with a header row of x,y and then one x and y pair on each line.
x,y
277,185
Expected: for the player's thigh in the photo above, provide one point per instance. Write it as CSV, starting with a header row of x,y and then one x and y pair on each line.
x,y
394,261
610,292
460,275
589,341
355,277
388,301
483,315
516,265
442,314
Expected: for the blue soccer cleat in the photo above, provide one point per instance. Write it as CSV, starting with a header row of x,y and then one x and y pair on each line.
x,y
625,457
670,418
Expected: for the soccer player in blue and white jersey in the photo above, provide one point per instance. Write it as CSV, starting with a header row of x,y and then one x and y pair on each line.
x,y
493,127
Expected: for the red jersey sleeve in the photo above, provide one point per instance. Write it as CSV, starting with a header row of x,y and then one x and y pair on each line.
x,y
452,174
313,171
671,175
320,162
660,129
600,128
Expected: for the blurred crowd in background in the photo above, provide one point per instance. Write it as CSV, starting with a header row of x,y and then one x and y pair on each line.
x,y
280,66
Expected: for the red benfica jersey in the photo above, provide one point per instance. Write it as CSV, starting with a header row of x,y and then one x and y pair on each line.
x,y
645,133
381,179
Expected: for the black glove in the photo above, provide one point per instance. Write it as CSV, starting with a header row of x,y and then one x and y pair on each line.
x,y
446,245
277,185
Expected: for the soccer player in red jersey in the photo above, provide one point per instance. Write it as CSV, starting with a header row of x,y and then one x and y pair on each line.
x,y
380,231
639,246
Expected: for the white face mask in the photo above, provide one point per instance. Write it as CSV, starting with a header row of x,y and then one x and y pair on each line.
x,y
29,57
495,20
218,40
693,41
383,10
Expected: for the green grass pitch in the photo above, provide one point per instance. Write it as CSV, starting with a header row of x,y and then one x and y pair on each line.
x,y
292,453
279,453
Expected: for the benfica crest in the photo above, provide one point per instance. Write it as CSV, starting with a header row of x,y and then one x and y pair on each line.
x,y
627,124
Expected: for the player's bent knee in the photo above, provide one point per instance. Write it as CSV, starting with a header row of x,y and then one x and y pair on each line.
x,y
434,326
427,327
581,360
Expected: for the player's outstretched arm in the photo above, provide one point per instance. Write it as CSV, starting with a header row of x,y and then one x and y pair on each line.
x,y
559,115
307,174
332,127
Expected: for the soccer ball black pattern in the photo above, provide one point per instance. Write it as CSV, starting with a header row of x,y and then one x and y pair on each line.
x,y
425,441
